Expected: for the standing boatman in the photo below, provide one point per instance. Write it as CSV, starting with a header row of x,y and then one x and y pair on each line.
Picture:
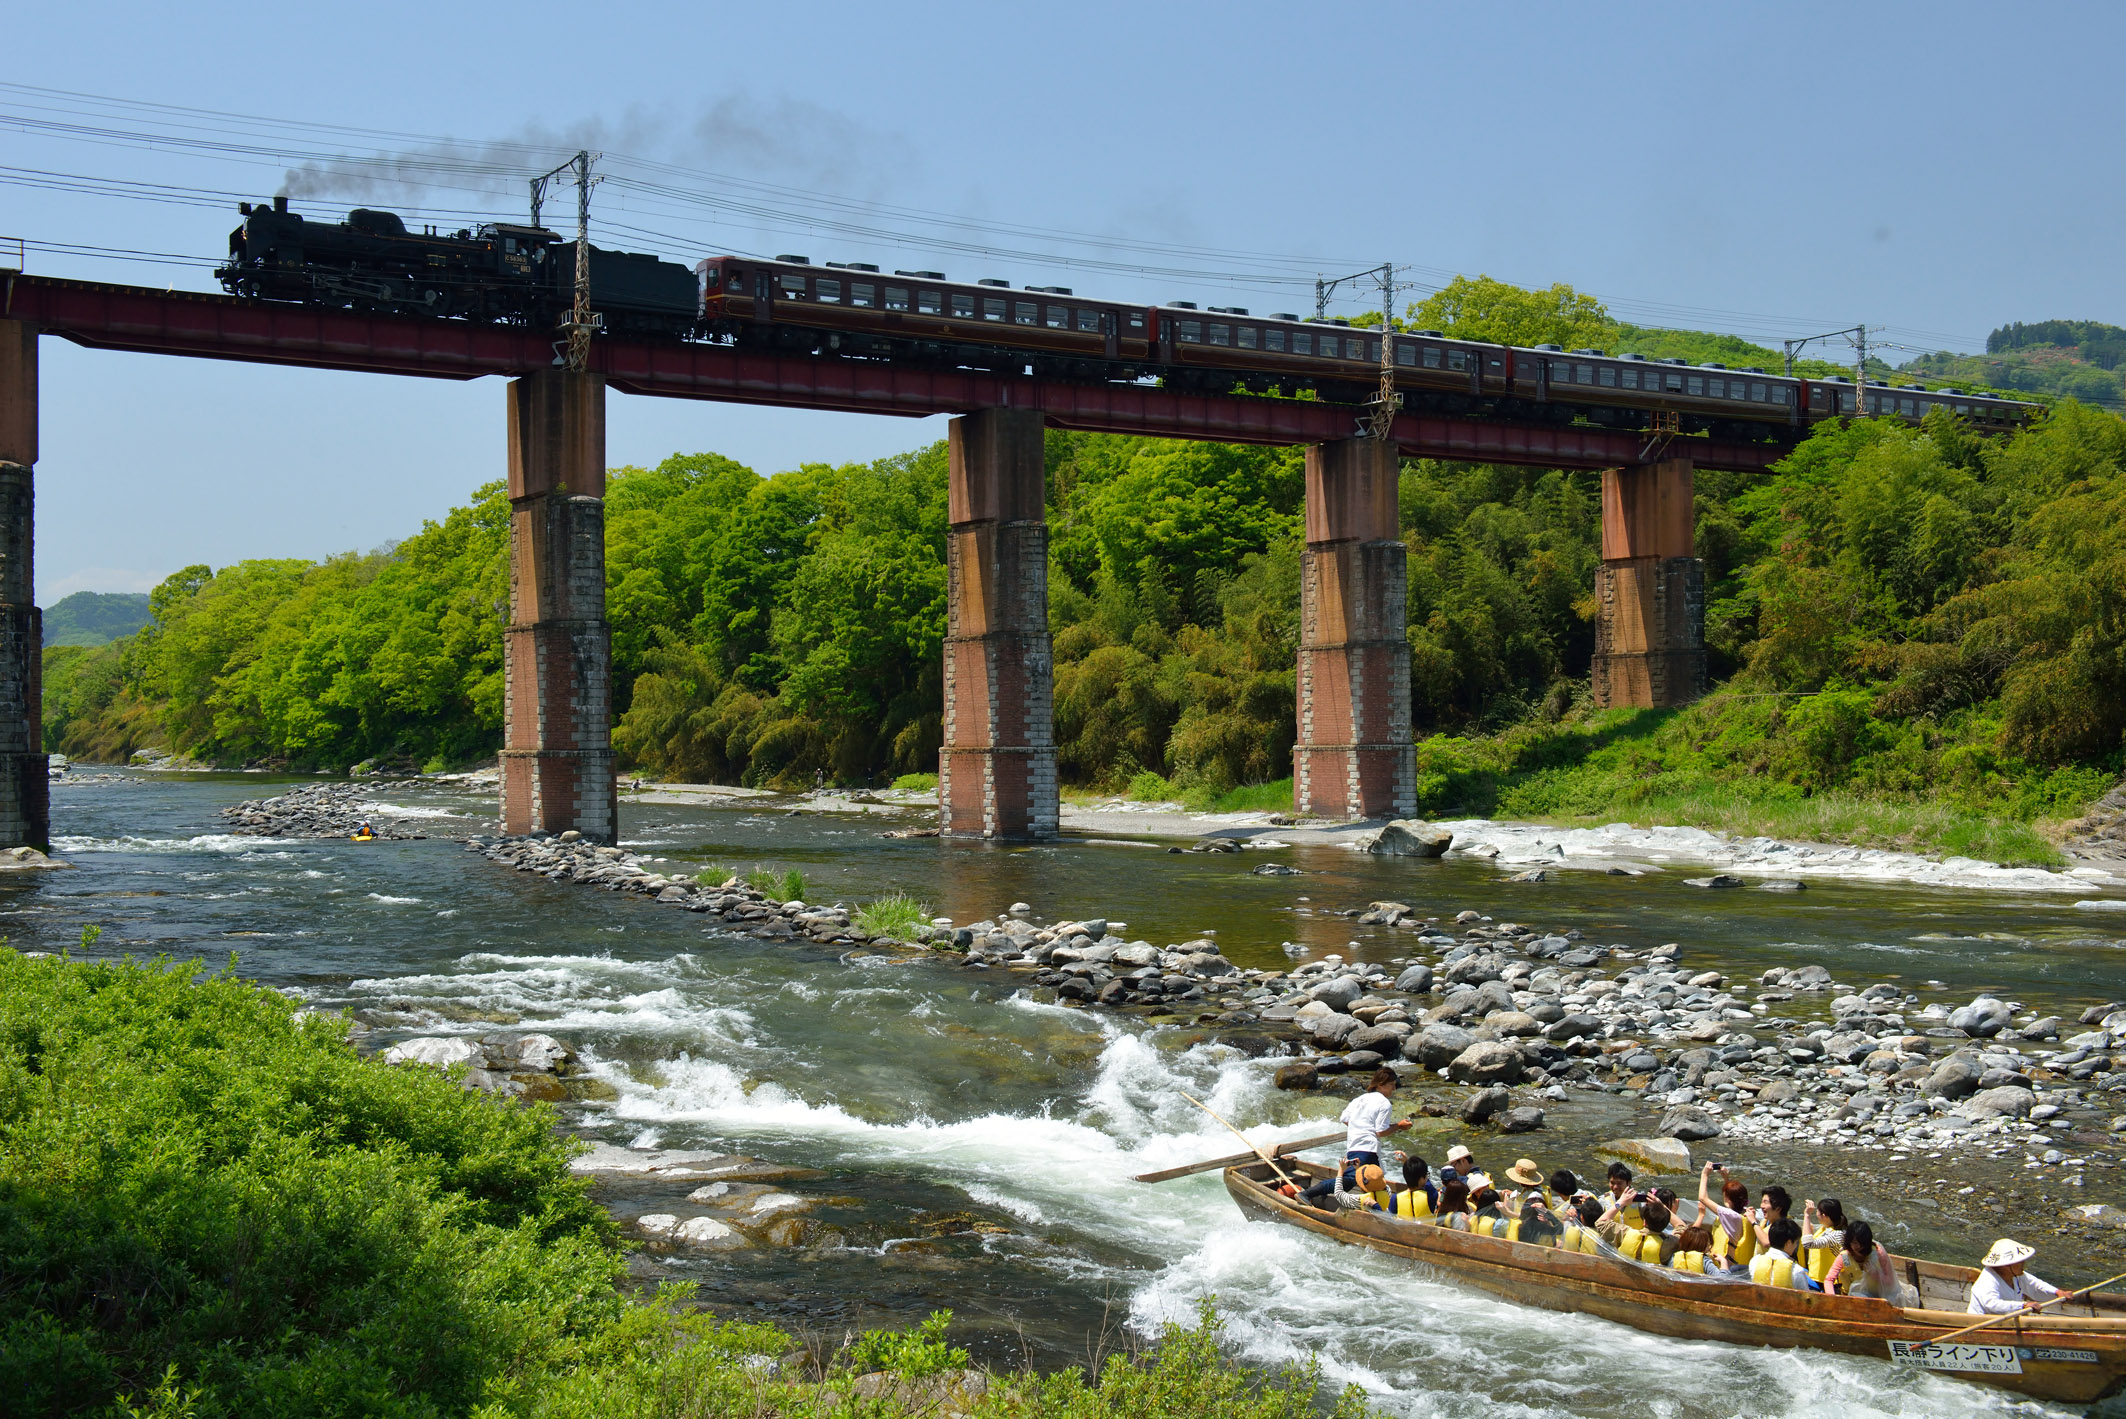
x,y
1366,1120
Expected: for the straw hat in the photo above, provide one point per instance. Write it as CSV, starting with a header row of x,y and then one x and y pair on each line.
x,y
2007,1252
1370,1178
1457,1153
1526,1173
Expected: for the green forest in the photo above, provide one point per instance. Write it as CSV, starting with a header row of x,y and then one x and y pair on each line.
x,y
1896,616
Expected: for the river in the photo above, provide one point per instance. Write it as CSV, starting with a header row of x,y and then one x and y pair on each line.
x,y
925,1090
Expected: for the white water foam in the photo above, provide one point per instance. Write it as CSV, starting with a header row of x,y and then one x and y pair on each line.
x,y
394,901
205,842
379,809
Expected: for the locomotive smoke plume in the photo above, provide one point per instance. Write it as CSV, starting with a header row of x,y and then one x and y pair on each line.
x,y
790,141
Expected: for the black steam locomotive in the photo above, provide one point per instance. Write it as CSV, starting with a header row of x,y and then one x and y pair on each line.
x,y
498,273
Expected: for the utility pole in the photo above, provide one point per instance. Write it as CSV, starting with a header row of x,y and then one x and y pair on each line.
x,y
582,321
1860,370
1384,408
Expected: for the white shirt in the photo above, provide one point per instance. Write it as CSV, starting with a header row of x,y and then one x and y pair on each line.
x,y
1995,1295
1364,1117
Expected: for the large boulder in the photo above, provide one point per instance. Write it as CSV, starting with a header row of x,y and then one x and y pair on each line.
x,y
1492,995
1406,838
438,1051
1388,1039
1661,1155
1954,1078
1415,979
1572,1027
1437,1046
1487,1062
1475,969
1983,1018
1339,993
2005,1102
1512,1022
1525,1119
1486,1102
1334,1031
1689,1124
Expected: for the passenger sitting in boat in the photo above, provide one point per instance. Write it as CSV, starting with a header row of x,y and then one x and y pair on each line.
x,y
1539,1225
2004,1287
1876,1273
1653,1243
1734,1236
1528,1178
1774,1204
1460,1165
1564,1187
1369,1188
1366,1119
1491,1218
1622,1210
1453,1207
1579,1234
1692,1243
1778,1264
1420,1195
1822,1236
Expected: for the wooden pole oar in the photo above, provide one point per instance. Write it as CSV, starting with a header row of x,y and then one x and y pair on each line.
x,y
1282,1150
2061,1299
1267,1157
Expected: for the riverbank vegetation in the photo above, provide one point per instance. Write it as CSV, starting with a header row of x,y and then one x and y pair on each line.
x,y
1896,618
211,1207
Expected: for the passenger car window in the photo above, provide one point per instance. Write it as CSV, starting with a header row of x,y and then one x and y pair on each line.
x,y
1245,336
793,286
992,308
1757,392
1405,354
1221,335
1026,313
961,305
1273,339
896,298
1059,317
1608,376
1089,320
1432,357
862,294
828,292
1302,342
1457,359
1189,331
1328,347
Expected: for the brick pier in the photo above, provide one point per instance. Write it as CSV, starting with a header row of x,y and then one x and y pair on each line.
x,y
557,751
1650,591
25,792
997,770
1353,758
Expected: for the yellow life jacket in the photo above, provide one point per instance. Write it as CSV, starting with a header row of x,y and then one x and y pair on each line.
x,y
1632,1216
1511,1231
1740,1249
1486,1226
1413,1203
1820,1259
1641,1246
1582,1239
1692,1261
1384,1201
1773,1268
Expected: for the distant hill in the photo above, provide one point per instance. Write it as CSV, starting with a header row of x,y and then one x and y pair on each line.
x,y
95,617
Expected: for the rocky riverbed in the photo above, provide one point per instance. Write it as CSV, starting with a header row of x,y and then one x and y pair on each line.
x,y
324,810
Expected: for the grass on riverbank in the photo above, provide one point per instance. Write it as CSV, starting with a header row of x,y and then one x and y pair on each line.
x,y
213,1208
896,916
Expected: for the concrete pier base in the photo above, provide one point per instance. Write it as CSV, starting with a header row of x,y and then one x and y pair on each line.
x,y
997,770
557,754
1353,757
25,791
1650,590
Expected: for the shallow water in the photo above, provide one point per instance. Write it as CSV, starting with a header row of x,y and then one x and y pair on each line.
x,y
922,1089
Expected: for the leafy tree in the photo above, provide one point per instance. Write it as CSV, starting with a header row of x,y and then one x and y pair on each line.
x,y
1480,308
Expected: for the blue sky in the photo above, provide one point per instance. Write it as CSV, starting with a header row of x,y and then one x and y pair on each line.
x,y
1774,170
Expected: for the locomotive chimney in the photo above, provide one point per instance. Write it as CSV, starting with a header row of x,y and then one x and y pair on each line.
x,y
280,202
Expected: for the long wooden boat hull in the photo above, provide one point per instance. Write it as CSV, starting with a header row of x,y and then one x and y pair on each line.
x,y
2073,1358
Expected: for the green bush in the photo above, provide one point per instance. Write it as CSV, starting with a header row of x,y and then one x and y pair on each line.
x,y
917,783
1148,787
208,1201
896,916
777,886
912,1354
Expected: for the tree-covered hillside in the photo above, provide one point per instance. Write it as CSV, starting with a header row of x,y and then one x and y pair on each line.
x,y
95,617
2073,359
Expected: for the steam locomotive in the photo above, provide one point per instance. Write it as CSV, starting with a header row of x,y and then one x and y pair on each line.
x,y
497,273
525,275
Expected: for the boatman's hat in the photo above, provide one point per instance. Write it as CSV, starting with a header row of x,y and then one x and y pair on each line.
x,y
2007,1252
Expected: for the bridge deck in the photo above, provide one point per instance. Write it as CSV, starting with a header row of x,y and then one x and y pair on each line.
x,y
142,319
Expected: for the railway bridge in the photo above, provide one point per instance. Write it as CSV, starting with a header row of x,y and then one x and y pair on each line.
x,y
997,770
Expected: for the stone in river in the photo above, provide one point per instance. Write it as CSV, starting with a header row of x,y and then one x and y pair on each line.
x,y
1484,1103
1984,1017
1436,1046
1337,994
1662,1155
1642,1063
1782,884
1954,1078
1313,1010
1384,1038
1476,969
1114,992
1334,1030
1299,1075
1512,1022
1415,979
1778,1091
1689,1124
1718,879
1487,1063
1525,1119
705,1232
1572,1027
1406,838
439,1051
1533,874
2008,1102
1364,1061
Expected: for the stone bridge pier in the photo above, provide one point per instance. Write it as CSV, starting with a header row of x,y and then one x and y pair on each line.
x,y
557,701
997,770
25,792
1650,591
1353,757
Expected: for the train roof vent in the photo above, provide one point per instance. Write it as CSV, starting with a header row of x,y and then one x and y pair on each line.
x,y
1836,379
1948,389
1556,349
1712,365
1881,382
1747,369
993,281
862,266
1338,320
1284,315
1637,359
1675,360
1050,290
796,260
1182,305
924,275
1585,352
1229,310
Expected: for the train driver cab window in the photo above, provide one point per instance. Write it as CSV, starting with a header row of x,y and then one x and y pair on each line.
x,y
1431,357
1273,339
1059,317
862,294
830,292
1026,313
1246,335
896,298
1221,335
1608,376
992,308
1189,332
1088,320
1302,342
793,286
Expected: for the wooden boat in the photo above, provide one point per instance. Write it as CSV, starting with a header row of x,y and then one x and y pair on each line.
x,y
2074,1354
